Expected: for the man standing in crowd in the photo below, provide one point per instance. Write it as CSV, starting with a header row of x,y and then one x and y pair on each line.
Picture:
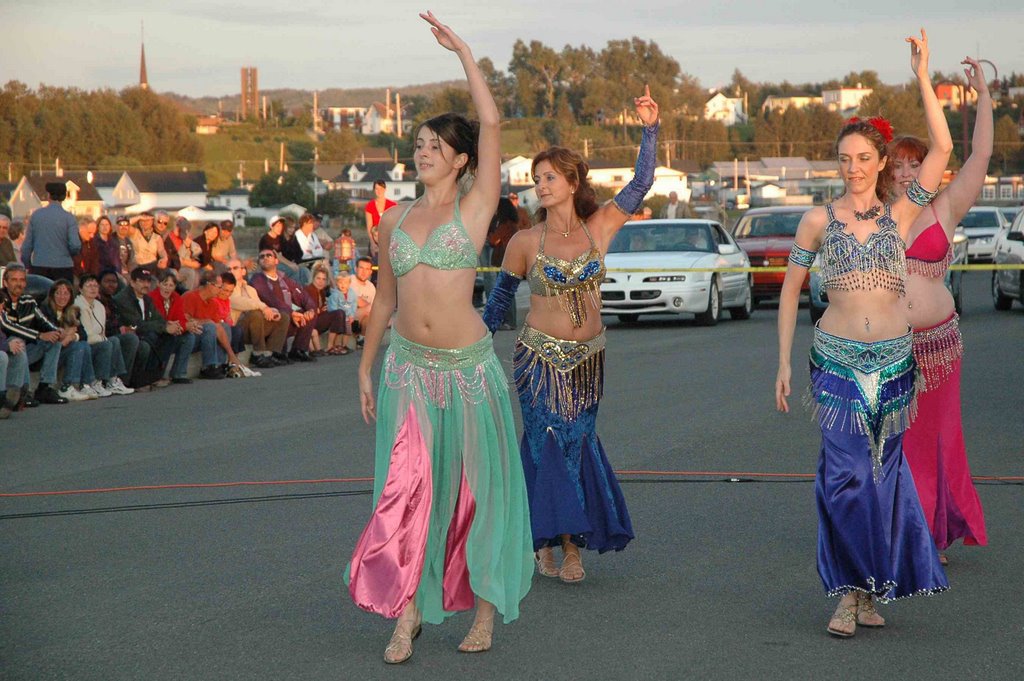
x,y
206,321
148,247
673,209
125,250
524,216
22,319
7,253
52,240
366,291
158,338
88,259
288,298
255,322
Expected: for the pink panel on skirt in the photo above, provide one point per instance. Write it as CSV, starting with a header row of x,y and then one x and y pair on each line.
x,y
388,559
457,592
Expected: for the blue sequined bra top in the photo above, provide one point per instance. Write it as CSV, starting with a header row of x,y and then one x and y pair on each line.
x,y
849,265
448,247
574,282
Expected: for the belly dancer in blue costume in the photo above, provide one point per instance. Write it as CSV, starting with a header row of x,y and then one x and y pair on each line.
x,y
575,500
873,540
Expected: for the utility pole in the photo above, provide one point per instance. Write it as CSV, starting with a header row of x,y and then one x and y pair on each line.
x,y
280,163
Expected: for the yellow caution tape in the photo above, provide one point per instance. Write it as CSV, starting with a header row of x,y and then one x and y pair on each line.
x,y
959,268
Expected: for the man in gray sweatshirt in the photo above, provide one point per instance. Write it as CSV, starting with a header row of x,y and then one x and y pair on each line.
x,y
52,238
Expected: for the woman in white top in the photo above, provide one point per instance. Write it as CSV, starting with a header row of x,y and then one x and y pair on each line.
x,y
107,358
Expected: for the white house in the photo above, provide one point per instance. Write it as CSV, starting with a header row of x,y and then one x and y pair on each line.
x,y
783,102
30,194
845,100
379,119
615,176
728,110
358,178
200,215
236,199
346,116
266,212
515,172
171,190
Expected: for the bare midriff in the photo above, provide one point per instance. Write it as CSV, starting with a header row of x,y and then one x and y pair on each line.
x,y
871,315
546,314
435,308
928,301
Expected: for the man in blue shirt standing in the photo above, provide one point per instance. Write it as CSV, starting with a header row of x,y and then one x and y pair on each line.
x,y
52,238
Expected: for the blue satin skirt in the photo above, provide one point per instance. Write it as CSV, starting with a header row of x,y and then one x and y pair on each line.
x,y
872,533
572,488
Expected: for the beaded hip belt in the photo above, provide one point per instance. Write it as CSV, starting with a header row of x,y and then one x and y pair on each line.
x,y
437,375
562,355
445,359
860,355
863,388
567,374
937,350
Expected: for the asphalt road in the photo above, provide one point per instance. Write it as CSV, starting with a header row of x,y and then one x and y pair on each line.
x,y
720,583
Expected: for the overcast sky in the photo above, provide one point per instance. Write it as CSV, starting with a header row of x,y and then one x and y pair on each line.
x,y
196,47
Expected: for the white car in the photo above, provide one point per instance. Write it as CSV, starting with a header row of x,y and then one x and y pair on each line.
x,y
643,278
982,224
1009,247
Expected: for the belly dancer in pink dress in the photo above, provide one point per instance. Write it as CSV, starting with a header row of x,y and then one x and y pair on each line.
x,y
934,444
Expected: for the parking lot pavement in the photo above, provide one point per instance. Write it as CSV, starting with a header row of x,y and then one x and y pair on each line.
x,y
245,582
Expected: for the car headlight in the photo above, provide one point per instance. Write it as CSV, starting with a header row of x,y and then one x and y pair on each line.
x,y
664,278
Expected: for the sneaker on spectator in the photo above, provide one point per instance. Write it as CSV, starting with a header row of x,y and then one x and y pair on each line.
x,y
72,394
161,383
89,391
98,387
117,387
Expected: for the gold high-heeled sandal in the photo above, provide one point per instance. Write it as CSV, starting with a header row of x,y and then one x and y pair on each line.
x,y
478,640
399,648
571,562
845,614
545,559
867,616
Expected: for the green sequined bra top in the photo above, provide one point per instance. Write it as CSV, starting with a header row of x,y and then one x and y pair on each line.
x,y
448,247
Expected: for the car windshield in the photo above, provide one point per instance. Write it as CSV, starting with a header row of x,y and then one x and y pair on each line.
x,y
980,218
1009,213
768,224
667,237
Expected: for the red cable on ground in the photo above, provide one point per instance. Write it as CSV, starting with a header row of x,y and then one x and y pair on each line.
x,y
186,485
258,483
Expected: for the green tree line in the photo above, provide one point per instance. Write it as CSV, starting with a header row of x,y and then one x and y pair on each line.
x,y
97,129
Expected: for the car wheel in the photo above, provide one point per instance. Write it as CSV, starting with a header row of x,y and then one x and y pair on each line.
x,y
628,318
710,316
744,311
1000,301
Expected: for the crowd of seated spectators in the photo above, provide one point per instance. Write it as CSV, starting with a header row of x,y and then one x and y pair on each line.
x,y
146,294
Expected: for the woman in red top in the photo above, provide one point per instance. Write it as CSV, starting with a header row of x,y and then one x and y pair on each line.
x,y
167,300
375,209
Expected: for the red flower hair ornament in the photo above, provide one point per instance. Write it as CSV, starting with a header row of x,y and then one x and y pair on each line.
x,y
883,126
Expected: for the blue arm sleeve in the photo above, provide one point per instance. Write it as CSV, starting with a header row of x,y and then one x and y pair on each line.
x,y
503,295
632,195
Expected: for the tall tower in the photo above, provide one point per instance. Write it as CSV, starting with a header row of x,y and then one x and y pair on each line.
x,y
250,105
143,79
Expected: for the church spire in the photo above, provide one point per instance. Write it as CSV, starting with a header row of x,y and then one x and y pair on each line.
x,y
143,80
